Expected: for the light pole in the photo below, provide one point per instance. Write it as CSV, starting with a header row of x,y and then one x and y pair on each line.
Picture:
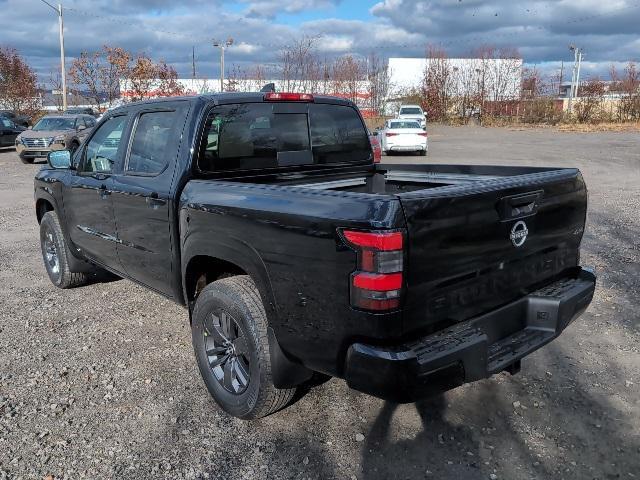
x,y
222,46
58,11
575,74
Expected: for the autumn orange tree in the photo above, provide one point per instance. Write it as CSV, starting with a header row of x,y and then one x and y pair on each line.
x,y
18,83
98,74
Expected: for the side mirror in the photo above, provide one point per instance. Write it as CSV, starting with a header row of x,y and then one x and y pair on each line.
x,y
59,159
29,127
80,128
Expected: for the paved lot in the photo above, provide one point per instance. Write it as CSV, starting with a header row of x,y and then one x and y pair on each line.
x,y
100,381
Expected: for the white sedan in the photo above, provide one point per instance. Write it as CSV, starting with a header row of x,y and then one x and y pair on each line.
x,y
403,136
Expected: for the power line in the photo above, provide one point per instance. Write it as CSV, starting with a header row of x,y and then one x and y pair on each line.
x,y
135,24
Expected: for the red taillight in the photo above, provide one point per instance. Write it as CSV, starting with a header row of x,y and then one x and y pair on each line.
x,y
379,240
423,134
288,97
390,134
377,282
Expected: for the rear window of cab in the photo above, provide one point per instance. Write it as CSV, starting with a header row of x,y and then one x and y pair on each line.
x,y
252,136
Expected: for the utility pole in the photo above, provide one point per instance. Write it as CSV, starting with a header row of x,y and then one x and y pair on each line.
x,y
578,74
63,72
193,63
561,76
62,65
222,46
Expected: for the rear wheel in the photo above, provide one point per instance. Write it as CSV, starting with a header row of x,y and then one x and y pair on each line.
x,y
229,334
56,255
423,153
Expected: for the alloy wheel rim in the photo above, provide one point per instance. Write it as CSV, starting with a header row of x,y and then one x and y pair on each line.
x,y
227,352
51,253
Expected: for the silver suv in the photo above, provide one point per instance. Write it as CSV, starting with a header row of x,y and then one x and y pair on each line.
x,y
53,132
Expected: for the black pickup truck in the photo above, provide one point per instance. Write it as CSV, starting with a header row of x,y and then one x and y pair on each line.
x,y
266,216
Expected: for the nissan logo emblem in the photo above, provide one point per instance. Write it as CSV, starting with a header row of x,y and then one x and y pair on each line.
x,y
519,233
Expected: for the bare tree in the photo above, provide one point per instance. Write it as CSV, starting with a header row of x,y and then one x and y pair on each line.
x,y
437,84
346,74
588,108
378,83
299,64
628,85
55,81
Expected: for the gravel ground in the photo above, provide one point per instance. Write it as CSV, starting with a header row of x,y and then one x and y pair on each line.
x,y
100,381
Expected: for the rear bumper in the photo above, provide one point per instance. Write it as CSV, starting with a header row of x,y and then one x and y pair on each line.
x,y
471,350
407,148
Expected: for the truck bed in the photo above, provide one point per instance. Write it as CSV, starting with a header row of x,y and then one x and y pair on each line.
x,y
459,220
394,179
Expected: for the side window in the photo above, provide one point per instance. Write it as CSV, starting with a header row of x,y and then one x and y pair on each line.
x,y
91,122
150,147
102,150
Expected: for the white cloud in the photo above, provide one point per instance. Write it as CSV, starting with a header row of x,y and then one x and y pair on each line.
x,y
540,29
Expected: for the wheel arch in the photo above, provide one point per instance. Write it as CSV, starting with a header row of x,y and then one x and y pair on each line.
x,y
43,205
207,266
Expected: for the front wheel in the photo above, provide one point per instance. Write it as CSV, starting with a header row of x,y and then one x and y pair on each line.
x,y
229,335
26,160
55,254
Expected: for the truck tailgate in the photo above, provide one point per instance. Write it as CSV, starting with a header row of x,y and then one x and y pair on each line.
x,y
477,245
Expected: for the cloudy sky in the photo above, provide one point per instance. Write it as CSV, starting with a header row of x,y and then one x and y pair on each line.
x,y
541,30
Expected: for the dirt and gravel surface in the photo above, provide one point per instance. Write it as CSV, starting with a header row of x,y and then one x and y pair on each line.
x,y
100,381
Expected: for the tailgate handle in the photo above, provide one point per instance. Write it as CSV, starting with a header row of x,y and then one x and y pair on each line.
x,y
519,206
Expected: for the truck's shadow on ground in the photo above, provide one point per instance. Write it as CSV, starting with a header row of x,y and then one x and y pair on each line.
x,y
574,434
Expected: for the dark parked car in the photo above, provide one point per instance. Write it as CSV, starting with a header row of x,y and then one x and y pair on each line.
x,y
265,215
8,132
18,119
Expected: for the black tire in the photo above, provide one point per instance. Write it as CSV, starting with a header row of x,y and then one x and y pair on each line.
x,y
423,153
26,161
55,254
237,372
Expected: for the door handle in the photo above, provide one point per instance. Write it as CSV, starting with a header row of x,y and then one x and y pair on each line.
x,y
519,206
